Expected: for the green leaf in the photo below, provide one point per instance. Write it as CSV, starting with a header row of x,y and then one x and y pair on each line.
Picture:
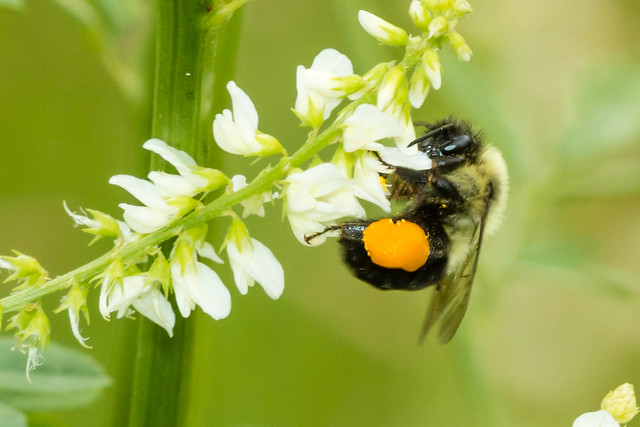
x,y
67,378
10,417
14,5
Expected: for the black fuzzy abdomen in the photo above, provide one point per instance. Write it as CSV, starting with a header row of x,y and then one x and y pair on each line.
x,y
431,272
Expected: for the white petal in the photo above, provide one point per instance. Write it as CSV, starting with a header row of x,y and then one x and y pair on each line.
x,y
393,156
144,220
238,182
245,114
178,158
207,290
367,181
266,269
183,300
333,62
227,135
172,185
123,296
596,419
239,267
206,250
153,305
102,301
366,125
141,189
75,327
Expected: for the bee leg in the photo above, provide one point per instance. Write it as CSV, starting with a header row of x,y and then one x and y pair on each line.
x,y
326,230
444,187
448,163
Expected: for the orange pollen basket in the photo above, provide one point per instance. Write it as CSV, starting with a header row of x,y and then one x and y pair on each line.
x,y
402,244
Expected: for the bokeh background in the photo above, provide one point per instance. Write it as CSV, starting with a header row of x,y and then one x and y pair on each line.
x,y
553,321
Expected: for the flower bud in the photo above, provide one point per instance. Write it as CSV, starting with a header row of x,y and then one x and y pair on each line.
x,y
382,30
419,15
621,403
459,46
438,26
431,61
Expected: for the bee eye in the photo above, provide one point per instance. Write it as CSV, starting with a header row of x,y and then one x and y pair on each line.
x,y
459,144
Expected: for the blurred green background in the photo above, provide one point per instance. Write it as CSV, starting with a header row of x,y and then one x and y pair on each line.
x,y
552,324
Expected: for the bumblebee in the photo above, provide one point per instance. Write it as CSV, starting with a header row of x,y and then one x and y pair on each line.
x,y
435,240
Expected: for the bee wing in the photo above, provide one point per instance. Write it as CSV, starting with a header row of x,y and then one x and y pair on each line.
x,y
451,297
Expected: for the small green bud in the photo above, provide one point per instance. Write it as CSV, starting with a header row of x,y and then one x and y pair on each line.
x,y
160,272
459,46
621,403
431,62
24,269
393,89
419,15
438,26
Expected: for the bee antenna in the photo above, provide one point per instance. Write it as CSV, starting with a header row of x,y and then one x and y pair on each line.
x,y
431,133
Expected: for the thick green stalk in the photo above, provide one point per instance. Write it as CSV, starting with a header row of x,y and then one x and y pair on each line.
x,y
182,114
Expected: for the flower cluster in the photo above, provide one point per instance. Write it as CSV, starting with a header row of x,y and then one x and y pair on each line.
x,y
160,246
618,408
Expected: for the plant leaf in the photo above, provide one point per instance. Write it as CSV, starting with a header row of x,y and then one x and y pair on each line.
x,y
67,379
10,417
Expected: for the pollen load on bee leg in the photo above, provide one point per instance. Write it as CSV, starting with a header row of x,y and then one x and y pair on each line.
x,y
402,244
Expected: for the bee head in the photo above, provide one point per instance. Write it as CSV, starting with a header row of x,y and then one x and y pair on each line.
x,y
449,143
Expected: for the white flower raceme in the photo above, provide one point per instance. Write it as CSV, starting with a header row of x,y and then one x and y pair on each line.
x,y
316,198
367,125
237,132
321,87
251,261
195,283
253,205
135,294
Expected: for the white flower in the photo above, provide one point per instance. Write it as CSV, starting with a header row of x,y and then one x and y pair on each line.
x,y
419,86
369,185
596,419
251,261
383,31
193,179
320,87
237,132
197,284
253,205
144,219
316,198
366,125
157,212
194,283
144,299
396,157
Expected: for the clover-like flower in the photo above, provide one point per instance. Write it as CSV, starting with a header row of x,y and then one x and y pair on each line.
x,y
195,283
367,125
157,211
321,87
618,407
316,198
253,205
136,294
251,261
237,132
